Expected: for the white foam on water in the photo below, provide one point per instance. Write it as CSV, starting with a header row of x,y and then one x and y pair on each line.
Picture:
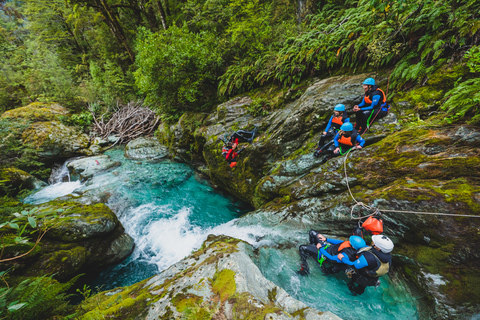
x,y
52,192
164,237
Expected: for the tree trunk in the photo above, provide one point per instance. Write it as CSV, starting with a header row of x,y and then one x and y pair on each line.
x,y
115,27
163,17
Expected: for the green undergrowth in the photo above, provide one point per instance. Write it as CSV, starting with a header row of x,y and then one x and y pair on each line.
x,y
127,304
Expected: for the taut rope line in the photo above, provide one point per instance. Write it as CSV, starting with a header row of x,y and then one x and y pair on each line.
x,y
357,203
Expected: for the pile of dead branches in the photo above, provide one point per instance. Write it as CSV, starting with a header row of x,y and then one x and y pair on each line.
x,y
127,122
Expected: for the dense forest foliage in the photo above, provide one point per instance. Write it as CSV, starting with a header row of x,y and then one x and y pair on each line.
x,y
188,55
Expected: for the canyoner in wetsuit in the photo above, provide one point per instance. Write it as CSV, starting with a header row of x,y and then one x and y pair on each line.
x,y
338,118
230,151
372,263
346,139
374,106
326,250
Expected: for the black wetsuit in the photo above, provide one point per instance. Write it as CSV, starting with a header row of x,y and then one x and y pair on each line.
x,y
312,251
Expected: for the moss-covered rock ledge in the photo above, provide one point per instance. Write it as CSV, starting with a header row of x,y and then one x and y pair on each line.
x,y
80,239
219,281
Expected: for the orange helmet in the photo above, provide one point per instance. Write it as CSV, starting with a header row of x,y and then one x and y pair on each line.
x,y
374,225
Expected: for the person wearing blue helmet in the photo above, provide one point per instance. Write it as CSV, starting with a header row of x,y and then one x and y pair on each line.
x,y
338,118
327,250
372,263
373,106
346,139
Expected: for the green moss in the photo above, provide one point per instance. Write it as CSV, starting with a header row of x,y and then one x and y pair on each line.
x,y
127,304
37,111
184,301
223,283
272,295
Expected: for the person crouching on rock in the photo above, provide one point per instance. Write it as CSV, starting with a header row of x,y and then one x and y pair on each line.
x,y
373,106
338,118
230,152
372,263
346,139
324,249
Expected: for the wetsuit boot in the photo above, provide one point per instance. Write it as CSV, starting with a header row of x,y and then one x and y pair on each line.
x,y
304,270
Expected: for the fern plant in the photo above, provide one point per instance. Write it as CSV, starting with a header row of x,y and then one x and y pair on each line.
x,y
35,298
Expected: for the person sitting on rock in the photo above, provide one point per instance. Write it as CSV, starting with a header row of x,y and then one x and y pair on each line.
x,y
338,118
322,249
373,106
346,139
229,150
372,263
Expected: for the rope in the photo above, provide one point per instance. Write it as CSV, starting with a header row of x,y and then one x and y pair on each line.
x,y
366,207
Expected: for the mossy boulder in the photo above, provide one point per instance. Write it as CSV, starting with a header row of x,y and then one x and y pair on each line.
x,y
220,281
13,180
37,111
54,140
72,238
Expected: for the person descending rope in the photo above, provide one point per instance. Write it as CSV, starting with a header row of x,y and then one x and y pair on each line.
x,y
322,249
338,118
346,139
372,263
373,106
229,150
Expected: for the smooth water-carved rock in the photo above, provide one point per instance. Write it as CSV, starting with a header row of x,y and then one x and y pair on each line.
x,y
85,168
145,148
220,281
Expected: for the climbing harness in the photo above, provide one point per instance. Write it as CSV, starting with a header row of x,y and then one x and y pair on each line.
x,y
377,211
321,258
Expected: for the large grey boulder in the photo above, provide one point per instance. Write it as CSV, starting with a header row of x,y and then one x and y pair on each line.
x,y
145,148
85,168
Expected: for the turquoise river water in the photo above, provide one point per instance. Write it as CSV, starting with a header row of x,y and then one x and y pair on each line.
x,y
169,212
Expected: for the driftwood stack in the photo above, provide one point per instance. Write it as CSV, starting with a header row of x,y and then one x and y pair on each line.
x,y
127,122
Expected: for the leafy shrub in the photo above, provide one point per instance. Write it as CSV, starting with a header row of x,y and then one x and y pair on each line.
x,y
108,84
82,120
177,69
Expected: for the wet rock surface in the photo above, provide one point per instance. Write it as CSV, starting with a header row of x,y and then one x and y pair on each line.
x,y
236,290
145,148
85,168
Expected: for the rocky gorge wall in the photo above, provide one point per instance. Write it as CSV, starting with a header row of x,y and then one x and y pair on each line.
x,y
408,164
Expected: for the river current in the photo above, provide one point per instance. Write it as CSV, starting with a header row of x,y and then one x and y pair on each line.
x,y
169,211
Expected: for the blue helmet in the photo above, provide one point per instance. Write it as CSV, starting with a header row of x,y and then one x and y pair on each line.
x,y
357,243
369,81
339,107
347,126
